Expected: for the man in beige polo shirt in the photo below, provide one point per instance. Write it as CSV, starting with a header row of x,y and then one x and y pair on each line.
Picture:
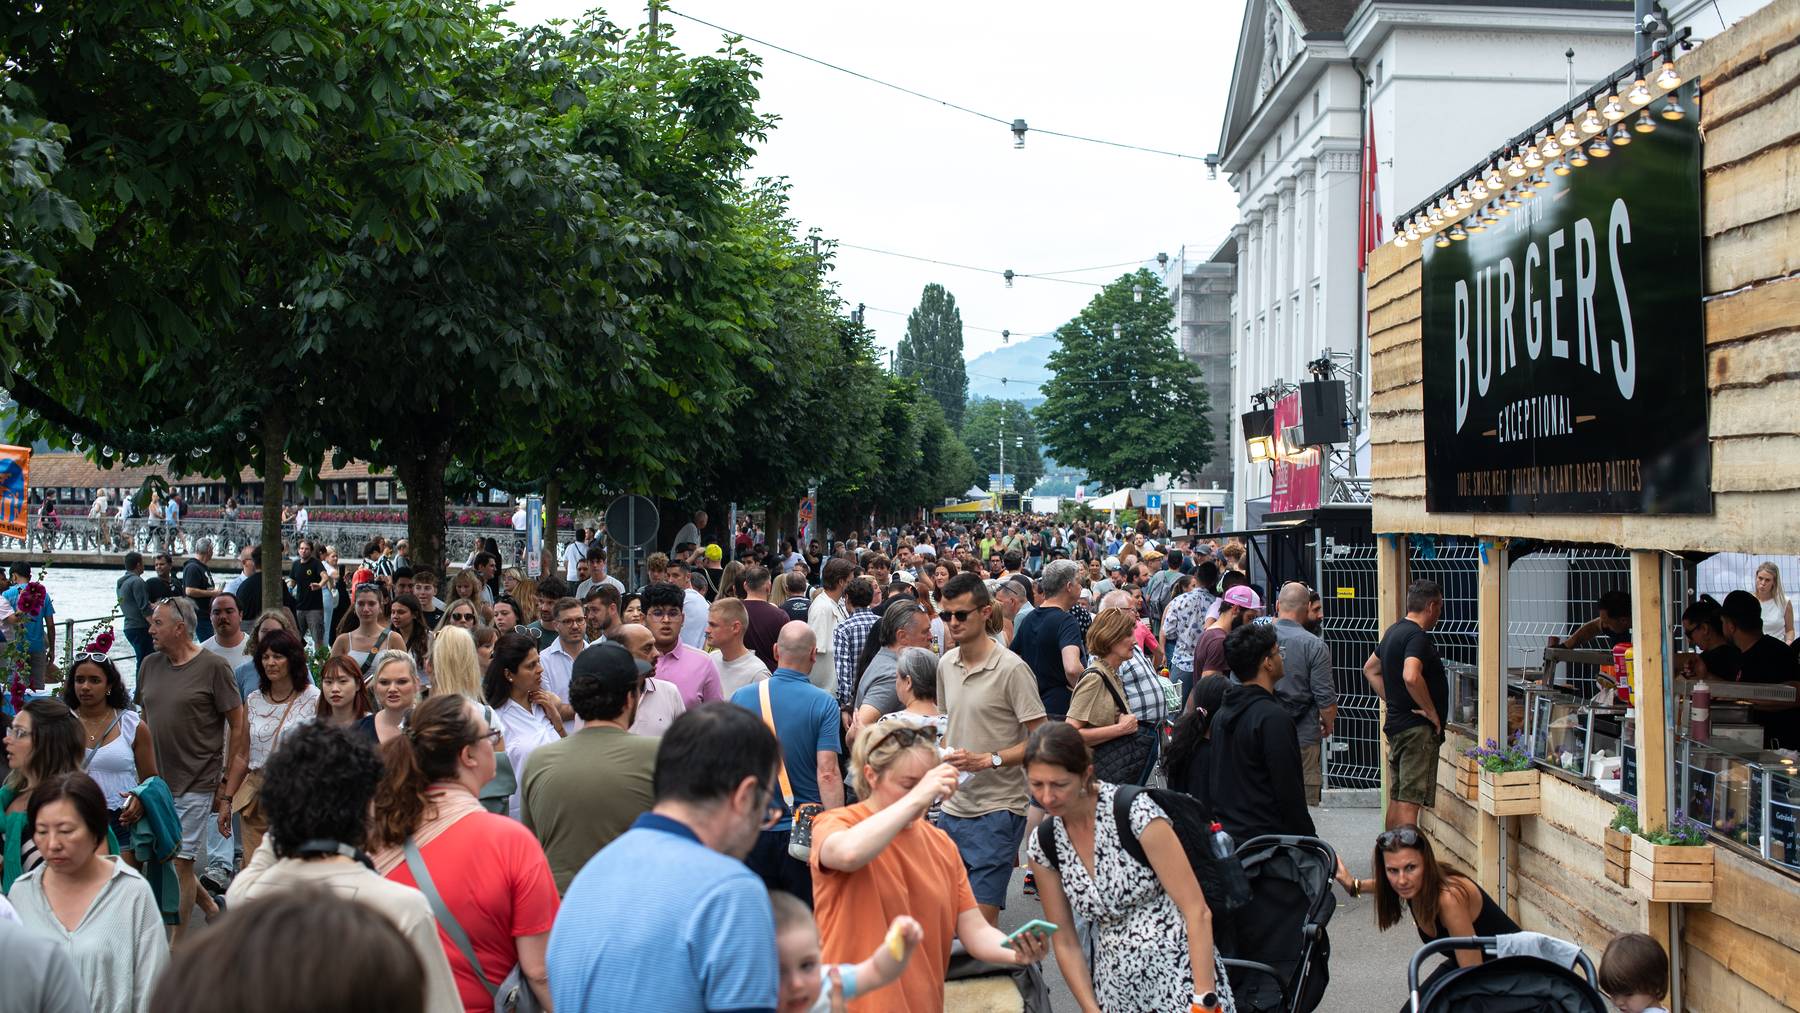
x,y
991,701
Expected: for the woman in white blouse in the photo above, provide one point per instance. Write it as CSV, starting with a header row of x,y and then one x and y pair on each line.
x,y
284,699
529,713
99,909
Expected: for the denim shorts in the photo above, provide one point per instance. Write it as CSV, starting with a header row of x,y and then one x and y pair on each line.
x,y
989,845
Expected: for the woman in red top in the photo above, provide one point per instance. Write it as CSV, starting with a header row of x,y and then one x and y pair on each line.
x,y
878,860
489,870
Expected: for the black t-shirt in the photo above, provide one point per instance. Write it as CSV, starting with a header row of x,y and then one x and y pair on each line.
x,y
1771,661
195,574
305,574
1040,640
1723,662
1406,639
156,588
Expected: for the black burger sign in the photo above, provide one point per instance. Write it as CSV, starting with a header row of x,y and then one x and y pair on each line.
x,y
1564,350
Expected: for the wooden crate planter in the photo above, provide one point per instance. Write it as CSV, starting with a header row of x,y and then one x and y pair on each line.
x,y
1468,779
1618,856
1511,793
1671,873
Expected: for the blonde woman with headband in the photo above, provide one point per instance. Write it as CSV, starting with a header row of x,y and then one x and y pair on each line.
x,y
1777,611
878,860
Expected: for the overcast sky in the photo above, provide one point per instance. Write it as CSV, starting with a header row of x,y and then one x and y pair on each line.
x,y
877,168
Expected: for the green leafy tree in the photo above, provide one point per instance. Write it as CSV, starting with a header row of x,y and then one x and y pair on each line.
x,y
932,351
1130,407
37,224
981,435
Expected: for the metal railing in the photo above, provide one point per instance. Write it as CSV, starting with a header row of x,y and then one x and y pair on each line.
x,y
1349,587
110,536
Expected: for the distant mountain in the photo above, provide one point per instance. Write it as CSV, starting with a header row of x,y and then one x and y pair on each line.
x,y
1023,364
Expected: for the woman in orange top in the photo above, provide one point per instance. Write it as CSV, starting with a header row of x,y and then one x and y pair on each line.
x,y
878,859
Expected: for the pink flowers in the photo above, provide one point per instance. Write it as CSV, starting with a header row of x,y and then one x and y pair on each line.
x,y
101,644
31,600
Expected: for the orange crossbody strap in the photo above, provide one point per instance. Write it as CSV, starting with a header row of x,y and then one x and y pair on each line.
x,y
787,789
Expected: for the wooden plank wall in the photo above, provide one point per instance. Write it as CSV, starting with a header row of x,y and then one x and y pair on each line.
x,y
1750,114
1741,953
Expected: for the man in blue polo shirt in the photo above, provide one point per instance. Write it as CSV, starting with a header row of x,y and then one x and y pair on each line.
x,y
806,720
667,917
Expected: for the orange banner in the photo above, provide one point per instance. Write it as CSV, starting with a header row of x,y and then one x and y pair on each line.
x,y
15,483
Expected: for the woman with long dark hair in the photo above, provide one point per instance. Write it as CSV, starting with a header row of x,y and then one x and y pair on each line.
x,y
372,634
1185,761
42,744
1443,902
118,754
284,699
489,871
406,619
100,909
342,701
529,713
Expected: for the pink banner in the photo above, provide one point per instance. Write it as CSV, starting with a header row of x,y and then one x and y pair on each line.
x,y
1296,475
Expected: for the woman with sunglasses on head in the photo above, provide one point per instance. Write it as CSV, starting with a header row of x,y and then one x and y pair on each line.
x,y
372,633
284,699
117,751
508,617
272,621
393,683
1443,902
42,744
488,872
461,612
100,910
341,702
529,713
877,860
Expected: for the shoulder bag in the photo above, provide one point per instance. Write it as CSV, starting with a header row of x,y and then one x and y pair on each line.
x,y
514,995
1126,759
800,840
496,795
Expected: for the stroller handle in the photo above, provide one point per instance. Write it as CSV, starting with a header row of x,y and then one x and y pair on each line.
x,y
1487,945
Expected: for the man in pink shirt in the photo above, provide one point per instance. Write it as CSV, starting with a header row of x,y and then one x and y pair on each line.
x,y
691,670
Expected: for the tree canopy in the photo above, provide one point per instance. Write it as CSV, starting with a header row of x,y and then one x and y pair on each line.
x,y
932,352
981,434
1130,407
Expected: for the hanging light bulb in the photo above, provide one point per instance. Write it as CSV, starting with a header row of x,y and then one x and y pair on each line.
x,y
1578,157
1488,217
1516,167
1463,200
1621,137
1600,149
1541,181
1400,239
1412,232
1456,232
1477,221
1570,136
1435,216
1666,78
1672,109
1512,199
1552,148
1644,124
1591,123
1502,209
1137,293
1495,182
1562,166
1442,240
1528,189
1639,95
1534,159
1478,189
1614,110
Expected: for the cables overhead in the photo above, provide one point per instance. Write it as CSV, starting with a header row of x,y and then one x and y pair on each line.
x,y
1018,126
1007,273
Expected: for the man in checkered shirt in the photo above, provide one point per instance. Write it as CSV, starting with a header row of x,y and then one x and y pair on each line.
x,y
1143,686
851,634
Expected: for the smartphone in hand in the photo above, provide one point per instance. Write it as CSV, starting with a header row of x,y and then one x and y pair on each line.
x,y
1036,926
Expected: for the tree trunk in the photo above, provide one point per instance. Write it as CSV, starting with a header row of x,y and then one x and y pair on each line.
x,y
274,476
552,507
424,478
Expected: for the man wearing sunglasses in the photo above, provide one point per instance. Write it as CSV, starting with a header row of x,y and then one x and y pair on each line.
x,y
993,704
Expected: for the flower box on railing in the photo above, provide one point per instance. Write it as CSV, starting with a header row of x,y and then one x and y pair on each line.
x,y
1617,845
1510,793
1672,873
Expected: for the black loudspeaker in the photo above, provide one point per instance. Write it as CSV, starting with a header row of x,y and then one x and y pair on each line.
x,y
1322,412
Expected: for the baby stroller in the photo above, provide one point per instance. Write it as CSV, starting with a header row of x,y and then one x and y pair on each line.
x,y
1275,948
1515,983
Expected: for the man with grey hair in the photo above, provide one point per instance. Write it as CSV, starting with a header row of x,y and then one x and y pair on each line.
x,y
196,582
1050,639
806,720
197,728
1143,687
1305,688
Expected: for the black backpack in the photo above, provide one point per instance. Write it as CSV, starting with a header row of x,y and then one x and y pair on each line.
x,y
1223,882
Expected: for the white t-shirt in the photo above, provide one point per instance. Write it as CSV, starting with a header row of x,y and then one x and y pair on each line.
x,y
747,670
572,555
693,619
234,656
267,727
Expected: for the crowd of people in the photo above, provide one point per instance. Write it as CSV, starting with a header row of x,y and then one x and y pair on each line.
x,y
788,779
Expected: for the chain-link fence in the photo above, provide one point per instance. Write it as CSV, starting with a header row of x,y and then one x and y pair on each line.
x,y
1350,589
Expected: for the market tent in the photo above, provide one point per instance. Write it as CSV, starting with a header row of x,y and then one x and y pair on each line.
x,y
971,508
1112,502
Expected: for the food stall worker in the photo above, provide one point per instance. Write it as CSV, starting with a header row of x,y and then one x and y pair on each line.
x,y
1614,621
1765,660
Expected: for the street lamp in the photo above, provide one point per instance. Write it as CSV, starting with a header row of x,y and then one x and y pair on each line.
x,y
1137,293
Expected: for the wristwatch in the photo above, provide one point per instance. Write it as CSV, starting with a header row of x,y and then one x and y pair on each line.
x,y
1208,1001
996,757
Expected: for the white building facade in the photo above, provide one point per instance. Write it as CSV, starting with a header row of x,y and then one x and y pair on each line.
x,y
1439,81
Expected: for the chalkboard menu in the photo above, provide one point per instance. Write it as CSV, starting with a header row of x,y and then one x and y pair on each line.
x,y
1628,779
1702,796
1781,845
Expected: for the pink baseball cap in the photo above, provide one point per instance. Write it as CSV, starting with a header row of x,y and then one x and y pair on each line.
x,y
1241,595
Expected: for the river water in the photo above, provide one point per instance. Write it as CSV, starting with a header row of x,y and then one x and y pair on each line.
x,y
89,597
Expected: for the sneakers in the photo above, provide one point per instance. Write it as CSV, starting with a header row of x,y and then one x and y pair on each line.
x,y
1030,884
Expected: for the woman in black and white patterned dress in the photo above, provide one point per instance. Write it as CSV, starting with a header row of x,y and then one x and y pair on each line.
x,y
1150,924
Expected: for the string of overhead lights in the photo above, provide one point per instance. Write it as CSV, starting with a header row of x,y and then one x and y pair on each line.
x,y
1007,273
1584,129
